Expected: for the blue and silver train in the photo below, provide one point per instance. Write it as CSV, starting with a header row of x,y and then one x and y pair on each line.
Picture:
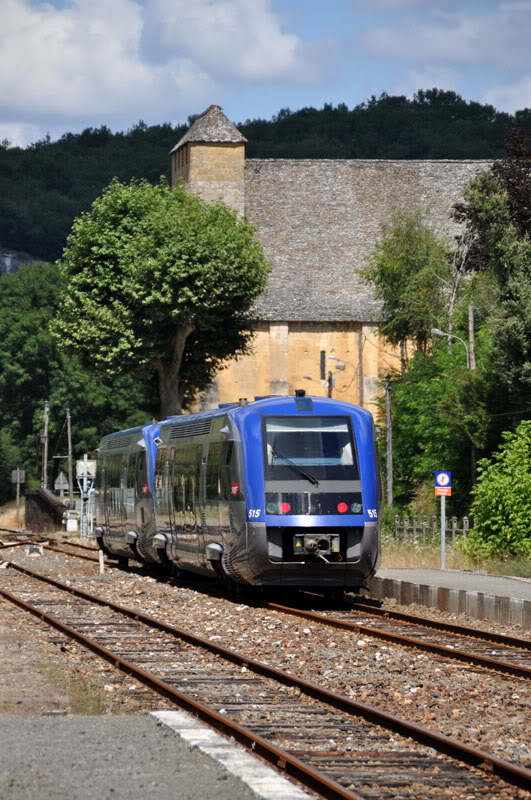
x,y
282,491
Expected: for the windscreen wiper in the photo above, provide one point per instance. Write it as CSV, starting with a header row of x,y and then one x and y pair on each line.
x,y
296,467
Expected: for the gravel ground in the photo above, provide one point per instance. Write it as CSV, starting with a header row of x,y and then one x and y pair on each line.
x,y
482,709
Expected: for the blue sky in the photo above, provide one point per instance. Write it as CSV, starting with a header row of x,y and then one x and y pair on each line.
x,y
71,64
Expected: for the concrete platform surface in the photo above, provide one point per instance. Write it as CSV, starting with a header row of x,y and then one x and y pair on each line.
x,y
167,754
498,598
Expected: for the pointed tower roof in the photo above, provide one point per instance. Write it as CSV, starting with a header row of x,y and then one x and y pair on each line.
x,y
211,126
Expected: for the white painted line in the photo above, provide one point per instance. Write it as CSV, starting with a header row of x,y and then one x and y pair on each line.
x,y
262,779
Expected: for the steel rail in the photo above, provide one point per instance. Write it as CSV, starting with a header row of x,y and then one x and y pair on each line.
x,y
291,765
506,668
485,662
450,627
13,544
511,773
66,553
78,545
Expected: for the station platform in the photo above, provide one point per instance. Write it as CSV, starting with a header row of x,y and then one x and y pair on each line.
x,y
152,756
502,599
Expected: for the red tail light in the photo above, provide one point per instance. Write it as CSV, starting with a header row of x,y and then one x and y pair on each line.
x,y
285,508
342,507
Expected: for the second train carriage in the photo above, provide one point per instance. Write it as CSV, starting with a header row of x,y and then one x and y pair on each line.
x,y
283,491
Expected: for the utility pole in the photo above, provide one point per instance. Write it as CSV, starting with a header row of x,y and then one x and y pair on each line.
x,y
70,476
472,365
44,442
389,440
472,353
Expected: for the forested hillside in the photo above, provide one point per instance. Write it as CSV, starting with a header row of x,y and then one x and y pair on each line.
x,y
44,186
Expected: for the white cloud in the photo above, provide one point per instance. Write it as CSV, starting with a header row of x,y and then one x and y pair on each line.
x,y
497,39
238,39
92,62
422,5
427,77
511,97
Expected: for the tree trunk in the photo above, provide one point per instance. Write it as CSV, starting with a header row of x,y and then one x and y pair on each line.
x,y
168,373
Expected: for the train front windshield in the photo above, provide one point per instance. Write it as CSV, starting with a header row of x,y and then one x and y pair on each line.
x,y
317,448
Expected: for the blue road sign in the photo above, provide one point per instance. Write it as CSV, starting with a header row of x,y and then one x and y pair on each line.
x,y
443,479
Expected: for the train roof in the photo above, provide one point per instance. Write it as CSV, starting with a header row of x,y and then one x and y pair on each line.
x,y
300,403
272,404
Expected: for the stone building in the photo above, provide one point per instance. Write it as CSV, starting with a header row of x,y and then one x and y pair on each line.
x,y
318,220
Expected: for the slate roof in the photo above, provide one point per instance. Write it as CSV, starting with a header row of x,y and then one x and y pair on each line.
x,y
318,221
211,126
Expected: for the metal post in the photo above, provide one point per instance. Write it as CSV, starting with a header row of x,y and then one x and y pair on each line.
x,y
70,475
84,499
443,531
389,441
44,439
18,498
360,365
471,343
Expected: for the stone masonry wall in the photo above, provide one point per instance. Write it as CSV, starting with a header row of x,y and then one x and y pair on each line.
x,y
318,221
216,171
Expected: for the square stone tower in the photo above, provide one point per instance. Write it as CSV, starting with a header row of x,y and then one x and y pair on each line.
x,y
210,158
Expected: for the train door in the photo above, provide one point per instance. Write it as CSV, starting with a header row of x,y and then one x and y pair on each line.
x,y
129,520
211,516
162,492
116,477
185,501
141,488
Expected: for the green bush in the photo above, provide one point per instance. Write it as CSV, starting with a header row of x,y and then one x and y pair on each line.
x,y
502,500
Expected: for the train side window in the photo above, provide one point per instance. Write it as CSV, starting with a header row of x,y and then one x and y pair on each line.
x,y
185,484
215,451
228,477
140,472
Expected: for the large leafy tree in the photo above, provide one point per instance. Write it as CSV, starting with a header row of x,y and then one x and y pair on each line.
x,y
34,369
496,213
157,280
439,411
411,270
502,499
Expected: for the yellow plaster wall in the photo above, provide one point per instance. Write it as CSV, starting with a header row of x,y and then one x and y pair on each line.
x,y
286,354
217,162
180,164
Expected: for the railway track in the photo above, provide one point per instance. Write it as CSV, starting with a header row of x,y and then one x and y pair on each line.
x,y
336,746
505,655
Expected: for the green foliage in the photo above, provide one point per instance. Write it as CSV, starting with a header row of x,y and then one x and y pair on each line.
x,y
46,185
439,411
410,270
502,500
497,217
155,277
34,369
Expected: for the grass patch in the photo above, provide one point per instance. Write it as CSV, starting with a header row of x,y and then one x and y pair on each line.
x,y
425,553
418,554
82,697
8,514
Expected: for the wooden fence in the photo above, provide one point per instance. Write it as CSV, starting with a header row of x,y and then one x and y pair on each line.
x,y
412,528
